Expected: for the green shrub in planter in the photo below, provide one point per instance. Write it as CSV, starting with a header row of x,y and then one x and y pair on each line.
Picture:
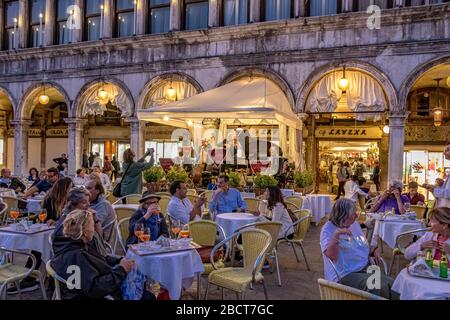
x,y
235,179
177,174
263,181
304,178
154,174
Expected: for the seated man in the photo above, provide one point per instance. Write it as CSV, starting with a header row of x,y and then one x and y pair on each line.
x,y
44,185
391,199
81,179
9,182
415,198
103,177
226,199
180,207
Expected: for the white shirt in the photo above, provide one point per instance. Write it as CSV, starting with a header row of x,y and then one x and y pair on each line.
x,y
279,214
352,190
181,209
353,255
105,181
97,162
79,181
442,194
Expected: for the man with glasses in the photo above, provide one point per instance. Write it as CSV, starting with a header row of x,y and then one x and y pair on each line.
x,y
148,216
226,199
391,199
45,185
9,182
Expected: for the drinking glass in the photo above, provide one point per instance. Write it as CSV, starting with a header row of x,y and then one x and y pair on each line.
x,y
175,227
407,206
138,230
43,215
145,236
14,213
184,233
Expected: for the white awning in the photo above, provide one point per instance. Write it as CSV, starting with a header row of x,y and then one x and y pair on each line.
x,y
247,98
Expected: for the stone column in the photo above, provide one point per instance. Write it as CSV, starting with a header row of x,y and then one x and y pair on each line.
x,y
299,141
302,8
108,19
255,11
137,136
347,5
23,22
396,144
141,17
77,34
2,26
50,22
214,13
283,138
75,144
175,15
21,146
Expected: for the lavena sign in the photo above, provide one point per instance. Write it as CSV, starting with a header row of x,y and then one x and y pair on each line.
x,y
349,132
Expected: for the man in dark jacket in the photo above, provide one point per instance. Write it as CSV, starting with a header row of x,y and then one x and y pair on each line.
x,y
116,166
9,182
91,159
149,215
85,162
61,162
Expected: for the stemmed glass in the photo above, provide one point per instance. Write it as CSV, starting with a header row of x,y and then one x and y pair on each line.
x,y
407,206
184,233
43,215
145,236
175,227
138,230
14,213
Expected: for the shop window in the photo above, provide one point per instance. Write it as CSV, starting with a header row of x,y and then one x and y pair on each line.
x,y
195,14
37,23
92,19
163,149
235,12
278,9
362,5
324,7
63,12
159,16
11,15
125,22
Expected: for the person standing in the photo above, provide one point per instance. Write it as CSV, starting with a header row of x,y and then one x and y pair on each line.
x,y
107,167
97,161
376,174
442,193
341,174
132,178
116,168
61,162
91,159
85,162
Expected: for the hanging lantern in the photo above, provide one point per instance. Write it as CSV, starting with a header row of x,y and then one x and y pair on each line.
x,y
171,93
166,118
43,98
103,95
343,83
386,129
437,111
190,123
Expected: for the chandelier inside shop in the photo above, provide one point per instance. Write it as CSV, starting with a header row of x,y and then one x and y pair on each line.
x,y
106,94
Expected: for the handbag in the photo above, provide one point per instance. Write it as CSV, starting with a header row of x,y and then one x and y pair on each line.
x,y
117,191
205,253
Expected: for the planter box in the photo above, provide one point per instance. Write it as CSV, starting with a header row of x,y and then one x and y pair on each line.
x,y
304,190
153,186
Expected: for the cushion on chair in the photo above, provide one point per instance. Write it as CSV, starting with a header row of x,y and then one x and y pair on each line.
x,y
235,279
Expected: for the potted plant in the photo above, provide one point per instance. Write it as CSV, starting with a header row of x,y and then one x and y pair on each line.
x,y
304,181
153,177
235,180
262,181
176,173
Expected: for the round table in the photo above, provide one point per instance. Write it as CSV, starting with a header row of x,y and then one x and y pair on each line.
x,y
26,242
230,222
318,204
173,271
417,288
388,230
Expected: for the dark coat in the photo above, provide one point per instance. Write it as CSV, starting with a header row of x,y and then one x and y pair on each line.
x,y
157,225
100,276
14,185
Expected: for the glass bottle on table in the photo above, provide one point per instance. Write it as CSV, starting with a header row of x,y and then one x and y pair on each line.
x,y
443,265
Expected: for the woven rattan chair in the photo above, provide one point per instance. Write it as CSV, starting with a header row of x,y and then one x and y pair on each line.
x,y
163,193
13,273
130,199
192,198
298,201
291,206
255,244
208,196
110,198
3,213
164,203
192,192
335,291
419,210
252,204
300,230
122,234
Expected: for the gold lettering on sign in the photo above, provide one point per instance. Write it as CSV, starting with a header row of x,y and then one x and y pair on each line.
x,y
57,132
362,133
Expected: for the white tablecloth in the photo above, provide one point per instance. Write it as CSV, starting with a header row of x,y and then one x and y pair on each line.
x,y
34,205
389,230
416,288
230,222
173,271
287,192
248,195
318,204
27,242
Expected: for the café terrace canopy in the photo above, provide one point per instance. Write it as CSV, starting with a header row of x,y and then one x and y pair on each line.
x,y
247,98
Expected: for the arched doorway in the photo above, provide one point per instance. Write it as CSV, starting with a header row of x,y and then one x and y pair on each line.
x,y
6,130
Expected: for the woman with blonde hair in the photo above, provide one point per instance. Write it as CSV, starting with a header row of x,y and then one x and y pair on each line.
x,y
132,171
100,276
437,240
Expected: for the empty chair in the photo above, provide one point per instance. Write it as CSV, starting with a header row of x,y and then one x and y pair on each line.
x,y
163,203
298,201
335,291
252,204
122,234
192,192
129,199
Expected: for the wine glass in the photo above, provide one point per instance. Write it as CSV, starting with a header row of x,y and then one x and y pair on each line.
x,y
145,236
184,233
138,230
14,214
175,227
42,215
407,206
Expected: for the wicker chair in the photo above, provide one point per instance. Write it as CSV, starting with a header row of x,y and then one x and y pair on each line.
x,y
419,210
402,241
192,192
3,213
192,198
12,273
252,204
110,198
122,234
163,193
204,233
300,229
291,206
335,291
208,196
298,201
163,204
130,199
273,228
255,243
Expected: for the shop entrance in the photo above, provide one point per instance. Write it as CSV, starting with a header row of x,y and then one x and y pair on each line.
x,y
109,148
333,151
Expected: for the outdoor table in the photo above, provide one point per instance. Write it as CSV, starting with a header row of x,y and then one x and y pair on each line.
x,y
230,222
318,204
36,241
248,195
174,271
416,288
287,192
388,230
7,193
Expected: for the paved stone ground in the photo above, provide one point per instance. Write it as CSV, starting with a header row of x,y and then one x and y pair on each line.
x,y
297,282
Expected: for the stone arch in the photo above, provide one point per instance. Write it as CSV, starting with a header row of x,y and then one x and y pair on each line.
x,y
261,72
378,75
415,75
11,99
147,90
26,107
90,86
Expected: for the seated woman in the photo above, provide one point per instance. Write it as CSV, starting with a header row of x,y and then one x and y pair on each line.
x,y
56,199
437,240
343,243
33,175
100,276
149,214
391,199
275,209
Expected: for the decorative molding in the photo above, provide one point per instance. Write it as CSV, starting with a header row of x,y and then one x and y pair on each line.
x,y
427,134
